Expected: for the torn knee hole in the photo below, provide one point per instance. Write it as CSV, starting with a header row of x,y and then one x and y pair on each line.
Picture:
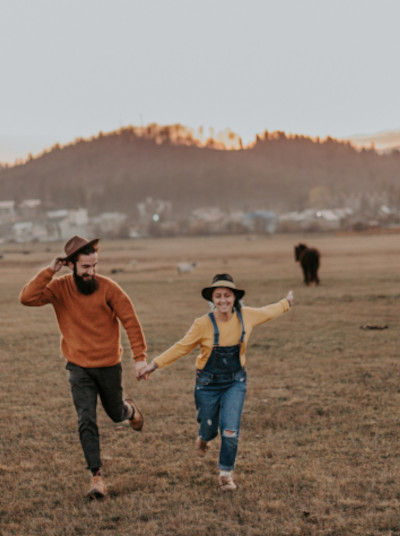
x,y
229,433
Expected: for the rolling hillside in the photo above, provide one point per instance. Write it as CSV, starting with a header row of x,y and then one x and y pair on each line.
x,y
114,171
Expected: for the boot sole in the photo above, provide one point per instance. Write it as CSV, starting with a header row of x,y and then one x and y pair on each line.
x,y
225,488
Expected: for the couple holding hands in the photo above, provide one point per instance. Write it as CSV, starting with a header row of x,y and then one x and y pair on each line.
x,y
88,307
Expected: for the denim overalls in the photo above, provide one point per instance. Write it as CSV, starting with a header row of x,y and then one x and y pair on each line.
x,y
219,395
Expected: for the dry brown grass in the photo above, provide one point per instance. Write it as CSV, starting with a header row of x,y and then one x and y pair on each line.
x,y
319,451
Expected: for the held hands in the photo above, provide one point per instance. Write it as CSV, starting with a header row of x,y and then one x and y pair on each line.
x,y
145,371
290,297
139,368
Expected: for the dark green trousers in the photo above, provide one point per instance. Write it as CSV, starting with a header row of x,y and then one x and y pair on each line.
x,y
86,385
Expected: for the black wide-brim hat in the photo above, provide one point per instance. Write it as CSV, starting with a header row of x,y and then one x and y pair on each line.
x,y
225,281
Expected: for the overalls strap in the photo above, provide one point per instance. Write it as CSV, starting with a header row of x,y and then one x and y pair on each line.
x,y
239,313
216,332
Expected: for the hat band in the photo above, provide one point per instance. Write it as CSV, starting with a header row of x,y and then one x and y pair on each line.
x,y
223,283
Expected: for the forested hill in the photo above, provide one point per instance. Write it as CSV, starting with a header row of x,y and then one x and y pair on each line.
x,y
115,171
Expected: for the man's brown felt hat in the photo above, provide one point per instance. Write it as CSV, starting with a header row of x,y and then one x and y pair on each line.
x,y
75,244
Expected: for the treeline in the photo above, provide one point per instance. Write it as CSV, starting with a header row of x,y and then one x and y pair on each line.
x,y
117,170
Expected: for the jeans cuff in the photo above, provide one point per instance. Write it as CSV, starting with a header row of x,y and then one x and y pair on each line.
x,y
225,467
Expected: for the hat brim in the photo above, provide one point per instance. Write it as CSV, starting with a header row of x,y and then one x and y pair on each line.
x,y
207,292
93,243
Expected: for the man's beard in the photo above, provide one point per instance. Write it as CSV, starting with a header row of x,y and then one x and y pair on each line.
x,y
85,286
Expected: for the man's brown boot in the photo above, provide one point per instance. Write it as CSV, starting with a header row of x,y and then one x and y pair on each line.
x,y
136,421
97,489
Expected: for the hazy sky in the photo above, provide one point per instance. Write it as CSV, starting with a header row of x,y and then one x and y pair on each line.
x,y
71,68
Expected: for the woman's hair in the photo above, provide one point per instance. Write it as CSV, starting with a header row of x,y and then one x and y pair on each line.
x,y
237,304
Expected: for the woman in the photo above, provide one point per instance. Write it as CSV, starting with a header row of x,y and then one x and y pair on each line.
x,y
220,377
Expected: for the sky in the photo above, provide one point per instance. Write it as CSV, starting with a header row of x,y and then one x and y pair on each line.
x,y
72,68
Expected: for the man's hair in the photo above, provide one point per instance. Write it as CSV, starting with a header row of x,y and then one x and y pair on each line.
x,y
87,250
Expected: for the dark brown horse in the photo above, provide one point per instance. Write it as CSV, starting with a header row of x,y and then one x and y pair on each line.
x,y
309,262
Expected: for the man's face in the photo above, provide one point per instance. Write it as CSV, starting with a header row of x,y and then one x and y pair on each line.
x,y
85,273
86,266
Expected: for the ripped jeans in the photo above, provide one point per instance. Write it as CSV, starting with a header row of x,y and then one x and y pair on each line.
x,y
219,402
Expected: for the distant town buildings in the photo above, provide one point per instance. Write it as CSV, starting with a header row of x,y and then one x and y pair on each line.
x,y
29,221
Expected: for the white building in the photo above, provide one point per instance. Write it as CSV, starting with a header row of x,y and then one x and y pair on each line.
x,y
7,211
109,223
62,224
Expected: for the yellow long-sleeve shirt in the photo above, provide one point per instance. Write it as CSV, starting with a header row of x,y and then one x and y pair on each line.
x,y
90,334
201,333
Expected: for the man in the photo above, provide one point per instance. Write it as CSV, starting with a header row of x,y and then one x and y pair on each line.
x,y
88,307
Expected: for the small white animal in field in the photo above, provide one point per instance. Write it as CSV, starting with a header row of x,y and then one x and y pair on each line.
x,y
186,267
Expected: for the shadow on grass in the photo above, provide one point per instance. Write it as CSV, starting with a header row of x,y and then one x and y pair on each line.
x,y
125,486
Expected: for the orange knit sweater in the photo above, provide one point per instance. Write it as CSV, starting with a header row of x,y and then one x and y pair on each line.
x,y
90,334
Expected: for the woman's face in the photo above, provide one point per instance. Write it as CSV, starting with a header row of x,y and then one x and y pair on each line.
x,y
223,299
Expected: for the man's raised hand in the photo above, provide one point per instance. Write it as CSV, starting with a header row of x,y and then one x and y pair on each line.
x,y
56,264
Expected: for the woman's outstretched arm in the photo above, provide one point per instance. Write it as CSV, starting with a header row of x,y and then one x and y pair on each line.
x,y
259,315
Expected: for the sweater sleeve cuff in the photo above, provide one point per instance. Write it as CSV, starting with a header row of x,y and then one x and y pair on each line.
x,y
158,362
139,357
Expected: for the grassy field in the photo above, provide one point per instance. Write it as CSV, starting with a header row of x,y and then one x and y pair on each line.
x,y
319,450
